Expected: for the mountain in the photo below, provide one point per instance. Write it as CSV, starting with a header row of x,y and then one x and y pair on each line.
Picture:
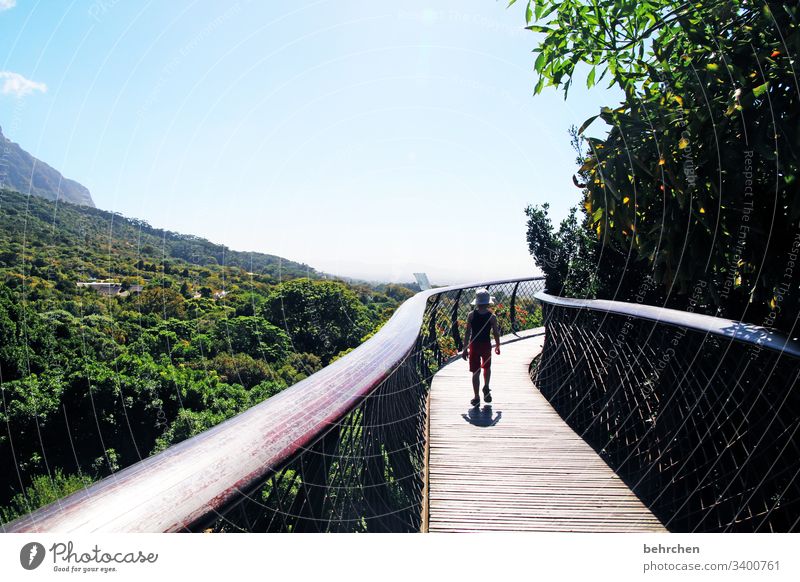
x,y
74,239
17,167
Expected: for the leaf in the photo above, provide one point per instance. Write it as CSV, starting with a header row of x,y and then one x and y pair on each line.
x,y
587,123
590,78
759,91
538,28
611,187
539,64
588,164
528,14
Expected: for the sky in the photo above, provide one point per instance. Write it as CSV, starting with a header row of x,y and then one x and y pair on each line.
x,y
368,139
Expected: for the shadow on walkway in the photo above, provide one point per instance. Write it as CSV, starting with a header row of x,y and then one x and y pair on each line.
x,y
482,416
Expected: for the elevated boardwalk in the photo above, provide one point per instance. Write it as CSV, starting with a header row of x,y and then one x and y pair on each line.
x,y
515,465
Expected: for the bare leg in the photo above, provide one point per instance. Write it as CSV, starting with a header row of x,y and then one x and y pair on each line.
x,y
487,374
476,382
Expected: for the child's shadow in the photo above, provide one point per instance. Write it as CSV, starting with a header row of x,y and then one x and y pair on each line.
x,y
482,416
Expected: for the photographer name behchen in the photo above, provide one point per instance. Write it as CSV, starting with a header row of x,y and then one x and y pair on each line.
x,y
678,549
65,554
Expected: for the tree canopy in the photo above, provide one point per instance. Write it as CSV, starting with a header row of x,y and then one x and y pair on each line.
x,y
320,317
693,193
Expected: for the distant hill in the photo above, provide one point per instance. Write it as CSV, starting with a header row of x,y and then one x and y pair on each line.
x,y
100,244
22,172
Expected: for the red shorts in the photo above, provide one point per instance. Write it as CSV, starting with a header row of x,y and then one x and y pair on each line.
x,y
480,356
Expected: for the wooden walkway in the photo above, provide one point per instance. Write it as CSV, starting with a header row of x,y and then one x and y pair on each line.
x,y
514,465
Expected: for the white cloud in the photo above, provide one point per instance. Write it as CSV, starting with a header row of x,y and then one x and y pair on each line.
x,y
17,85
6,4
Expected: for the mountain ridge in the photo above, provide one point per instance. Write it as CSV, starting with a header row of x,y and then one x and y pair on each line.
x,y
27,174
124,240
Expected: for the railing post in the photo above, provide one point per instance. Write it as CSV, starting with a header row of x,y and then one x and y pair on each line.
x,y
454,323
513,314
432,328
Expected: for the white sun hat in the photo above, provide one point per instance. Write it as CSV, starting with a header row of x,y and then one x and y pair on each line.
x,y
482,297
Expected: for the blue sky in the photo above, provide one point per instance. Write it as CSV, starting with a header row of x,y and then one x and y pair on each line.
x,y
366,138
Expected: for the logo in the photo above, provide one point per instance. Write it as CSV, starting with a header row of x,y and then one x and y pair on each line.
x,y
31,555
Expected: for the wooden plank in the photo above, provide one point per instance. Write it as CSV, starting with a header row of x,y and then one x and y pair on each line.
x,y
515,464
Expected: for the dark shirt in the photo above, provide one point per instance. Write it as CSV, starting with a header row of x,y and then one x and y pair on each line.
x,y
481,327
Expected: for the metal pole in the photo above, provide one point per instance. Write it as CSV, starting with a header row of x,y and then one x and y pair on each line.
x,y
513,314
454,323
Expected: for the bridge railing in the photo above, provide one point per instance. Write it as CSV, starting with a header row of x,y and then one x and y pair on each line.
x,y
699,415
343,450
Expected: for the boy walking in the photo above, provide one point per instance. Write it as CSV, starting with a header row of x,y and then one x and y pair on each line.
x,y
479,322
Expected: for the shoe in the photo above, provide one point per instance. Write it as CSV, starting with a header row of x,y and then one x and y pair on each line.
x,y
475,401
487,394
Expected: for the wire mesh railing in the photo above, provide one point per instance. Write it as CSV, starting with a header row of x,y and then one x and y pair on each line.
x,y
341,451
698,415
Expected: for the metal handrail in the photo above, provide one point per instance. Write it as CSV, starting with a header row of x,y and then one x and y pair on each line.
x,y
758,337
697,414
192,480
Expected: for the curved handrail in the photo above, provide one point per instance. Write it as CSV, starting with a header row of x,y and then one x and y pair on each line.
x,y
194,478
758,337
697,414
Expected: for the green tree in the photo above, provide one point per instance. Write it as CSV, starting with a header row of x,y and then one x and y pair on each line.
x,y
163,301
241,369
565,256
695,185
320,317
253,336
43,490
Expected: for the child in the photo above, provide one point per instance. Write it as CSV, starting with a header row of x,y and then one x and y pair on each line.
x,y
479,322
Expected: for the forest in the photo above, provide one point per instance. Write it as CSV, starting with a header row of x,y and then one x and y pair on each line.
x,y
176,335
